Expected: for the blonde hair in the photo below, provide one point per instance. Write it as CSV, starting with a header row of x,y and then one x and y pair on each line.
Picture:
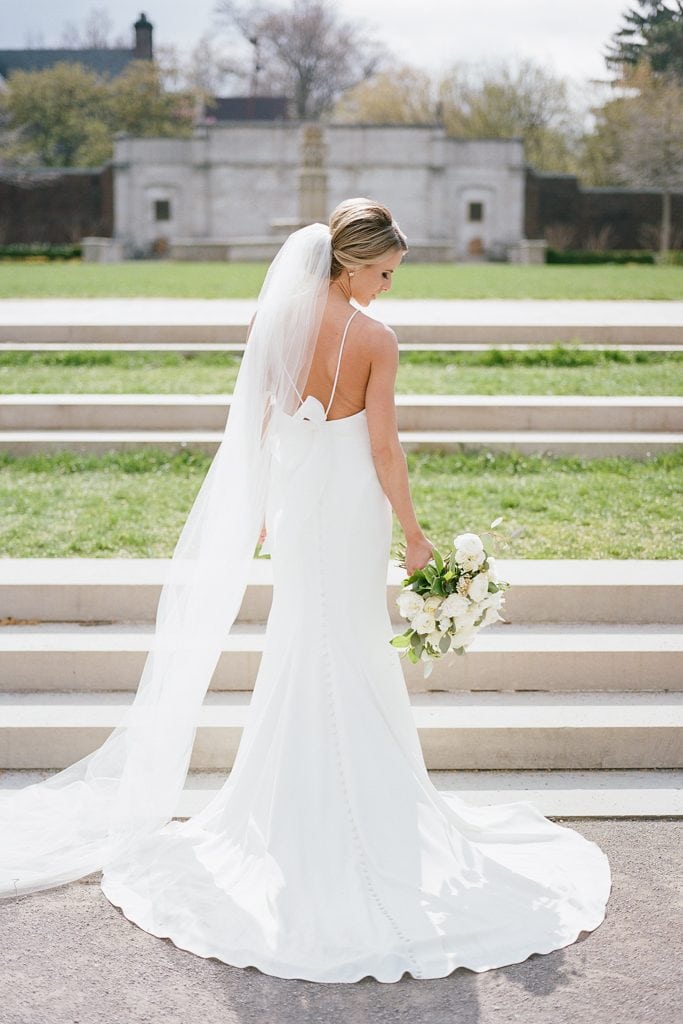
x,y
362,232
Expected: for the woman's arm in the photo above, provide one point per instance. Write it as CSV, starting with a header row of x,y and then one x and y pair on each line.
x,y
387,453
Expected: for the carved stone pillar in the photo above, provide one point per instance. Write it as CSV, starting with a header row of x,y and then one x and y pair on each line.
x,y
312,176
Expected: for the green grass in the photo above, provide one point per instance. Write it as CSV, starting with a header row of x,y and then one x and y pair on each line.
x,y
140,278
562,370
134,504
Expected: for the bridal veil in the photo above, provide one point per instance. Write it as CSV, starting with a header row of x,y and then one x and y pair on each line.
x,y
92,813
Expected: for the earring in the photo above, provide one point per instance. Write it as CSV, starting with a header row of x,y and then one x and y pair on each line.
x,y
351,273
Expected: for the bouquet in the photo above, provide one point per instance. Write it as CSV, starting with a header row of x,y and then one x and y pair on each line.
x,y
449,600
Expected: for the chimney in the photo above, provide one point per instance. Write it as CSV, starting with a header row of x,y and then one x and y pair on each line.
x,y
143,39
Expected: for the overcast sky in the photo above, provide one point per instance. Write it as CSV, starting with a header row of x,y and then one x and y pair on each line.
x,y
568,36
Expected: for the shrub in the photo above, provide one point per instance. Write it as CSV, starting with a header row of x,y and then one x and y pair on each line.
x,y
39,251
616,256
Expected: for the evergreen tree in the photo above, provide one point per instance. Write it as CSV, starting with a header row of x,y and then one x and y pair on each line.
x,y
652,31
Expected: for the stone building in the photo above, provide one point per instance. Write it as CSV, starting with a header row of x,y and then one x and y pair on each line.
x,y
234,190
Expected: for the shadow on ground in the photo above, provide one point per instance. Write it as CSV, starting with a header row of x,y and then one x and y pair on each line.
x,y
69,957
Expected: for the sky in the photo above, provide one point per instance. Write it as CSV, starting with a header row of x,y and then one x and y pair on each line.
x,y
566,36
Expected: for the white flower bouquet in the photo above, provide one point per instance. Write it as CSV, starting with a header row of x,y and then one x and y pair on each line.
x,y
449,600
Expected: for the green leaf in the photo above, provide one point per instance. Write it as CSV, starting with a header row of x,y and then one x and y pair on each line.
x,y
415,640
412,656
438,560
445,643
400,641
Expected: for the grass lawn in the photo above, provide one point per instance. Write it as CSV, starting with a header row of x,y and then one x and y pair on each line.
x,y
134,504
152,278
557,371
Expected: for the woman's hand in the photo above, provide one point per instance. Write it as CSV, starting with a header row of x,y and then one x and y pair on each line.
x,y
418,552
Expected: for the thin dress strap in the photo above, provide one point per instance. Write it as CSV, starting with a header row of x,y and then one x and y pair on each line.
x,y
341,349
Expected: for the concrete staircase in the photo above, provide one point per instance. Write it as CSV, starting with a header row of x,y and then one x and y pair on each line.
x,y
575,703
584,677
559,424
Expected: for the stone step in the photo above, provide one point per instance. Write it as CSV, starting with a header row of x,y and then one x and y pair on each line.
x,y
428,322
456,730
239,346
556,794
618,591
139,412
587,444
586,658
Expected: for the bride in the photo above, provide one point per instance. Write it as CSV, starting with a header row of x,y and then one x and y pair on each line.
x,y
328,854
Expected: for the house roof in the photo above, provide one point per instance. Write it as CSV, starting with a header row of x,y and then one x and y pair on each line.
x,y
247,108
103,62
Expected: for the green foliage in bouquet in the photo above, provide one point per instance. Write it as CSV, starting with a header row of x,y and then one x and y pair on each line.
x,y
449,599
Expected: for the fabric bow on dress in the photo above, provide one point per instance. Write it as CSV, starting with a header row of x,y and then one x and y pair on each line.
x,y
300,467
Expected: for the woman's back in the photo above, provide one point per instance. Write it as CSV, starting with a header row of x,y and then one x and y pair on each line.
x,y
354,367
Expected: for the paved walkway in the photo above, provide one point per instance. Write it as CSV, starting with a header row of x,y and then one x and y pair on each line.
x,y
443,312
68,957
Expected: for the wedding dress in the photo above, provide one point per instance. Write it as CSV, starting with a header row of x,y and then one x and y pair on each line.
x,y
329,855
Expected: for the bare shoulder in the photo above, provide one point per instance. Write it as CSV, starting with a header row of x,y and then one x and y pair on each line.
x,y
381,340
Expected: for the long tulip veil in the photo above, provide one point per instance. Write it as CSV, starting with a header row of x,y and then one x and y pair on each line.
x,y
92,813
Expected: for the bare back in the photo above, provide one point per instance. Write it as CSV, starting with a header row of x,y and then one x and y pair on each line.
x,y
354,368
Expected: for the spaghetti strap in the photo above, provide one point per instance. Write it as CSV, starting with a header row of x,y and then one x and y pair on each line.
x,y
341,349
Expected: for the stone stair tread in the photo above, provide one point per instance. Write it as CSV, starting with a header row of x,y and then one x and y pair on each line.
x,y
521,572
590,444
237,346
222,312
192,399
513,637
544,436
439,710
562,794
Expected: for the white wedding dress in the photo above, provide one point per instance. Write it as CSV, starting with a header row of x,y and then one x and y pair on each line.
x,y
328,855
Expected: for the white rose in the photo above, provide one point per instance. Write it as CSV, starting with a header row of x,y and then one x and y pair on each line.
x,y
492,568
409,603
455,604
467,620
431,604
469,563
444,625
479,587
468,543
423,623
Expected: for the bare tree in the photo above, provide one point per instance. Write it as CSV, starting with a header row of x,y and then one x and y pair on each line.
x,y
204,71
34,40
403,95
96,34
304,51
523,99
652,144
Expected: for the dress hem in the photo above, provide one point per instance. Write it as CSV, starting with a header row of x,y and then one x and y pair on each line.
x,y
272,969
